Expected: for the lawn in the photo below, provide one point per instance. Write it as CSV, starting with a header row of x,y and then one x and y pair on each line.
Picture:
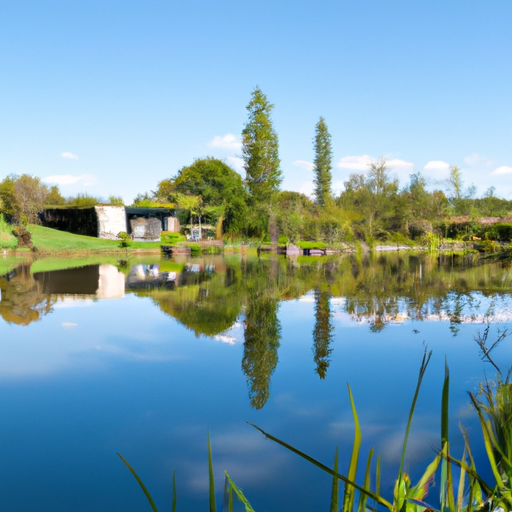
x,y
54,241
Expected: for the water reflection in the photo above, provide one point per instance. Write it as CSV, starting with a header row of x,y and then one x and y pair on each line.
x,y
323,332
262,329
210,296
22,299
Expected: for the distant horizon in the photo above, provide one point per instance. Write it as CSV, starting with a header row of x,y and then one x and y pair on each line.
x,y
109,98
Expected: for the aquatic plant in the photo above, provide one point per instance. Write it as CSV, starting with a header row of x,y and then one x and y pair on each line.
x,y
229,487
406,497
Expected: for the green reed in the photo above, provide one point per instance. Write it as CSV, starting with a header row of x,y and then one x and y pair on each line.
x,y
467,493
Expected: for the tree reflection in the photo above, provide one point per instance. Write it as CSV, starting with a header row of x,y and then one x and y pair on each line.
x,y
322,333
22,300
263,282
261,340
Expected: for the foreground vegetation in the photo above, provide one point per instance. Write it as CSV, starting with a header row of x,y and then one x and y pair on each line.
x,y
461,487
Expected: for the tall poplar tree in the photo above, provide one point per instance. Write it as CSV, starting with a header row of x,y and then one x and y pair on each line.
x,y
323,161
260,151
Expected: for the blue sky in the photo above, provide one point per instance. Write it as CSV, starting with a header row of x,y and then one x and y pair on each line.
x,y
110,97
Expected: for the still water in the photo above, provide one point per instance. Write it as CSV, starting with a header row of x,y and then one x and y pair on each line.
x,y
144,357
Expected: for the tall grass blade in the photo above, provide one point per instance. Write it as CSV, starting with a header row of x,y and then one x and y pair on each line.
x,y
349,495
335,491
379,499
377,477
173,491
462,483
489,448
363,498
240,494
474,491
210,475
447,496
423,368
142,486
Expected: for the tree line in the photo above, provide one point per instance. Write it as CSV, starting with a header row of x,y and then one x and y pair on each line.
x,y
371,207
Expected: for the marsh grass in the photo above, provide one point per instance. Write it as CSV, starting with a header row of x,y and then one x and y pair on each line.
x,y
229,487
467,493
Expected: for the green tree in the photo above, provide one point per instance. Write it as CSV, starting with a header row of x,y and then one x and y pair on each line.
x,y
220,188
260,151
261,340
322,333
323,163
455,183
374,197
8,196
84,200
54,197
30,196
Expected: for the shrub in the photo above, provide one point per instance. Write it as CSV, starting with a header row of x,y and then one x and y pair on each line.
x,y
195,249
125,239
171,238
501,231
419,228
311,245
24,236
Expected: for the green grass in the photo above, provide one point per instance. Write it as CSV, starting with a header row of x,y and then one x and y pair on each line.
x,y
53,241
7,239
62,263
311,245
6,265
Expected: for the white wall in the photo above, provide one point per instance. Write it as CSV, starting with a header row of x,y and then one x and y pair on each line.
x,y
111,220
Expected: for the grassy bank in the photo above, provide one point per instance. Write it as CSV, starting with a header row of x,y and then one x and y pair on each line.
x,y
52,241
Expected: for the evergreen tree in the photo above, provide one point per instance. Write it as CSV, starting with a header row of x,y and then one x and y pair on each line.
x,y
322,333
260,151
323,160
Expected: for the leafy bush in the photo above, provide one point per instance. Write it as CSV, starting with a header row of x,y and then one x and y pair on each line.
x,y
24,236
171,238
125,239
195,249
500,231
311,245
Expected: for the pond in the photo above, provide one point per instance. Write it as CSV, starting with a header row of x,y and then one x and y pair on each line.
x,y
146,356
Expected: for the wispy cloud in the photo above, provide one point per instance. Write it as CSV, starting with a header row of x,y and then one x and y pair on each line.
x,y
228,141
304,164
500,171
67,154
68,179
236,162
476,160
436,165
356,163
396,163
307,188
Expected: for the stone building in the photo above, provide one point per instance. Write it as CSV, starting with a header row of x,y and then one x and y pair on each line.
x,y
142,224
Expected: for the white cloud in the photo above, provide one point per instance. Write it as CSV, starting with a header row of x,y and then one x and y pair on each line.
x,y
475,159
397,163
68,179
436,165
67,154
236,162
500,171
305,164
307,188
228,141
357,163
338,187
